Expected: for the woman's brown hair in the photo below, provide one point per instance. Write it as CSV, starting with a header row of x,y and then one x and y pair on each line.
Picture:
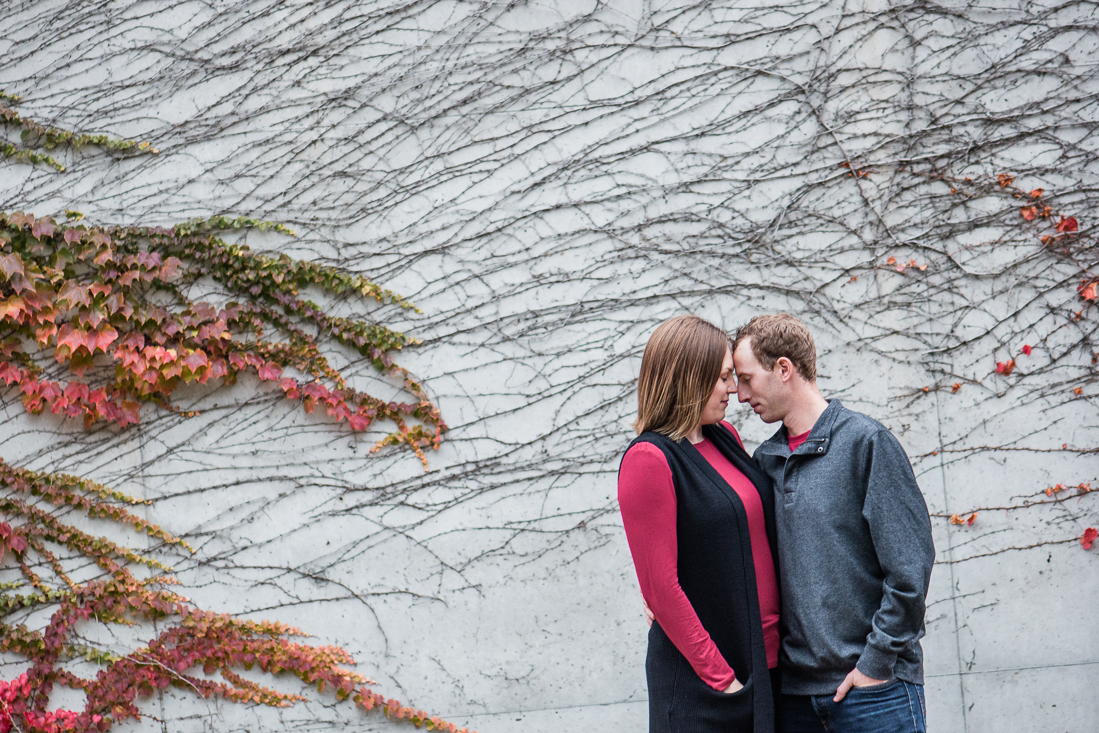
x,y
681,365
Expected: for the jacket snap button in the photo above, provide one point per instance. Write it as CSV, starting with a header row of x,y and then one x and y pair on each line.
x,y
820,450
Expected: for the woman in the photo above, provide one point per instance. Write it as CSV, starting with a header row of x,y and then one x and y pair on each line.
x,y
699,517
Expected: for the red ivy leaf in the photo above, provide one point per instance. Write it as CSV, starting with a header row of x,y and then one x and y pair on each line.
x,y
1027,349
10,375
43,228
128,413
74,338
270,370
17,543
195,360
1088,292
1067,224
218,368
105,336
1005,367
1088,538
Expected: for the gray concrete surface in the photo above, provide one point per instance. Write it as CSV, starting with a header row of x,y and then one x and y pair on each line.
x,y
546,210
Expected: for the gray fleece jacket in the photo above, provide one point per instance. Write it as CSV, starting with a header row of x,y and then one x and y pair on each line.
x,y
855,553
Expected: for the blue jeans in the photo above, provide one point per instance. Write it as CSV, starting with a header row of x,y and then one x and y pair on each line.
x,y
891,707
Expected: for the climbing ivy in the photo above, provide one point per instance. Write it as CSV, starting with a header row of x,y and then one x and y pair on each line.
x,y
192,649
96,323
111,305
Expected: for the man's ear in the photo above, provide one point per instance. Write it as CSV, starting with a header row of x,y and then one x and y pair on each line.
x,y
785,368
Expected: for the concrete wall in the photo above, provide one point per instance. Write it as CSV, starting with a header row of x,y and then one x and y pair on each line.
x,y
547,182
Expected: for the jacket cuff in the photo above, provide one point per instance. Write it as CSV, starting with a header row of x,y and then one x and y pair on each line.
x,y
877,663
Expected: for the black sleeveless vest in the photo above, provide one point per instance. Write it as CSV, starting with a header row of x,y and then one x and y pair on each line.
x,y
717,574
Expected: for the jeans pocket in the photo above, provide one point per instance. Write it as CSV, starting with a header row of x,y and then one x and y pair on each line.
x,y
876,688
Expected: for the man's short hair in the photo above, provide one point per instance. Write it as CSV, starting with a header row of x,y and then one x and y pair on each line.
x,y
780,334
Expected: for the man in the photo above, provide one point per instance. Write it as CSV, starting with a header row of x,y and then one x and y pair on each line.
x,y
854,545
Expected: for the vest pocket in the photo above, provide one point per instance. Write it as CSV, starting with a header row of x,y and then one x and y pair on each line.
x,y
699,708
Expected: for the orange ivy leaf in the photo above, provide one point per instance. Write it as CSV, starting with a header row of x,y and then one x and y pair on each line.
x,y
74,294
10,265
1029,212
956,387
1037,193
13,309
1005,180
1089,291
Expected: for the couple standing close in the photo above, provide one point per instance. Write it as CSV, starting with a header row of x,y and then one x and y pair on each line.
x,y
786,590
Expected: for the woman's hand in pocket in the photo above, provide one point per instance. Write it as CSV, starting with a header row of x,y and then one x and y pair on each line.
x,y
734,687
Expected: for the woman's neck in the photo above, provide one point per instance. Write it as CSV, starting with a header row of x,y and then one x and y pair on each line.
x,y
695,436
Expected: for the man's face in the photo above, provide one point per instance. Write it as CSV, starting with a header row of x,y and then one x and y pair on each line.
x,y
761,388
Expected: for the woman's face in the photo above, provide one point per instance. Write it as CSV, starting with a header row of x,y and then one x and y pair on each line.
x,y
714,412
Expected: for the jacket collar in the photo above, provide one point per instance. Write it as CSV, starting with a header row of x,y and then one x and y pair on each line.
x,y
820,437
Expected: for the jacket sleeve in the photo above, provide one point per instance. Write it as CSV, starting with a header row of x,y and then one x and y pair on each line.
x,y
646,497
900,528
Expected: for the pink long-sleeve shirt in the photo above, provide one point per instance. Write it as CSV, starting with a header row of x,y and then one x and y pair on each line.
x,y
646,496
